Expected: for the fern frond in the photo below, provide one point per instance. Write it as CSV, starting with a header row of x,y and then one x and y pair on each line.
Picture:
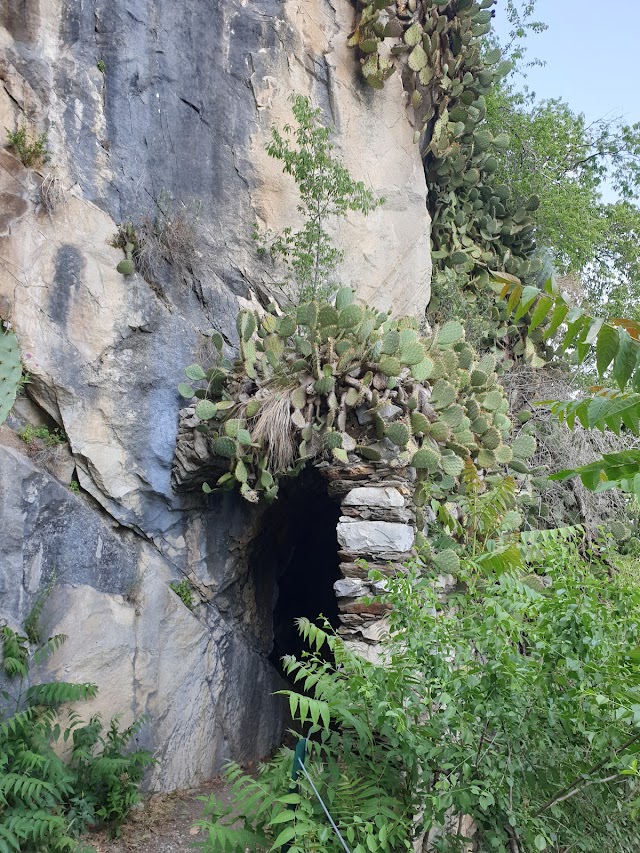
x,y
9,841
25,788
313,634
499,561
57,693
15,650
305,709
17,722
49,647
473,484
222,838
534,544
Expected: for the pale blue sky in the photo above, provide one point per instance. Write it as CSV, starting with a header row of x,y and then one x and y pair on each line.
x,y
592,54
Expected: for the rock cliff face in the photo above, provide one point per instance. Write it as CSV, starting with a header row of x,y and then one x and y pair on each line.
x,y
144,101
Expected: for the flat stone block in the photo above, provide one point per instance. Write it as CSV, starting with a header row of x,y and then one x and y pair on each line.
x,y
367,496
351,588
375,537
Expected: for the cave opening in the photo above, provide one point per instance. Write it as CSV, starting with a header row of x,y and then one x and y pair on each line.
x,y
294,560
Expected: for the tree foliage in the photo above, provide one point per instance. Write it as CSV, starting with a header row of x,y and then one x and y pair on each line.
x,y
516,707
327,191
570,164
614,348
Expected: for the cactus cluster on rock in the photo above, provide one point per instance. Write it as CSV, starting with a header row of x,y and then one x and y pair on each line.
x,y
126,266
10,370
348,381
439,49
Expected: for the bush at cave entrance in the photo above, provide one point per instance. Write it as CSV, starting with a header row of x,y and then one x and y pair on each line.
x,y
517,708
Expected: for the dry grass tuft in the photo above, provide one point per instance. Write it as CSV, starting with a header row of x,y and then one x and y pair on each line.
x,y
52,193
274,430
171,237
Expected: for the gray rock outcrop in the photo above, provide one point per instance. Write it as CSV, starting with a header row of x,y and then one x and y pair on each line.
x,y
143,102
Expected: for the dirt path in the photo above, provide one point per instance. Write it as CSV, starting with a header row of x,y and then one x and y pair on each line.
x,y
163,824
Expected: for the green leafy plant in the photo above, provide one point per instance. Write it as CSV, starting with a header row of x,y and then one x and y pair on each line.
x,y
327,192
107,773
101,66
32,622
32,152
74,486
514,711
184,591
170,237
46,801
50,438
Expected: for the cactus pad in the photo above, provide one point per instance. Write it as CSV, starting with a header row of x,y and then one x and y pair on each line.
x,y
447,562
224,446
419,423
10,371
126,267
398,433
524,446
332,440
390,366
426,459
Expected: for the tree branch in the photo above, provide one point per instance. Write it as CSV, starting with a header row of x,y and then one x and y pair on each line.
x,y
569,789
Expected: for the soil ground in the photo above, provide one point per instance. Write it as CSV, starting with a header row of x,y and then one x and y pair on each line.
x,y
163,823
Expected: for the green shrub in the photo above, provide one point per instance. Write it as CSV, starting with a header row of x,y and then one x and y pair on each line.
x,y
51,438
46,801
516,706
184,592
32,152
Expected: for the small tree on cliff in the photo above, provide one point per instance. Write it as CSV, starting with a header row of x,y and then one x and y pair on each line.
x,y
327,191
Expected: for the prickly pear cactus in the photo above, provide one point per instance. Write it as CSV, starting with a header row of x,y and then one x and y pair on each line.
x,y
349,382
439,50
10,371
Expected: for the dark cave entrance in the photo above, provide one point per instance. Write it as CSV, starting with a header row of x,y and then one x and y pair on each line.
x,y
294,560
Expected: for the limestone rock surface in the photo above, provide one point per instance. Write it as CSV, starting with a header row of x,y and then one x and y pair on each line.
x,y
144,103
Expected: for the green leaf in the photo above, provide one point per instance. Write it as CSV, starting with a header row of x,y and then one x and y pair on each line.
x,y
541,310
606,347
557,319
625,360
284,816
284,837
527,299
